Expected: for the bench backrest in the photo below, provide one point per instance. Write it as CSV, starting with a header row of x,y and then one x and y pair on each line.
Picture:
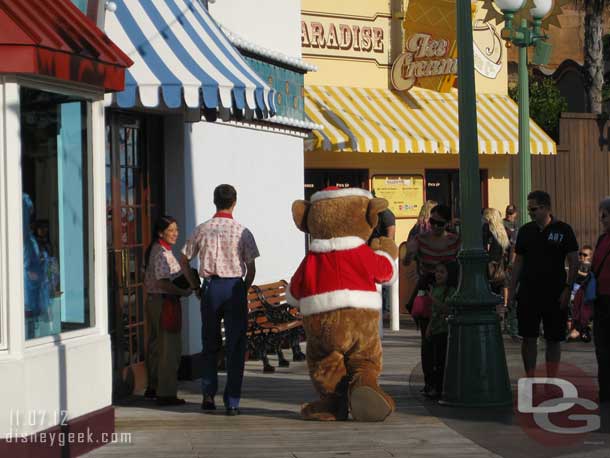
x,y
274,293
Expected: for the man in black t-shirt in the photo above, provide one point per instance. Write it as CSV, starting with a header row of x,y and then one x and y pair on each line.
x,y
542,248
386,225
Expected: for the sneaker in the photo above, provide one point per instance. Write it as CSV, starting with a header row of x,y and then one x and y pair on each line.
x,y
232,411
585,335
433,394
169,401
208,403
150,394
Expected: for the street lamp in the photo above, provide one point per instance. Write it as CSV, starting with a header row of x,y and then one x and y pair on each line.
x,y
523,36
476,374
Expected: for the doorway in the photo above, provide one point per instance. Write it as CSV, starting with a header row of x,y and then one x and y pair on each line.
x,y
134,192
443,186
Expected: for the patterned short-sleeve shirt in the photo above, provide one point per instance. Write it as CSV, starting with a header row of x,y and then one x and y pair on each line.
x,y
162,264
224,247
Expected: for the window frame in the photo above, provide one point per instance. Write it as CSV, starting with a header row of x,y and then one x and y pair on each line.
x,y
3,230
95,118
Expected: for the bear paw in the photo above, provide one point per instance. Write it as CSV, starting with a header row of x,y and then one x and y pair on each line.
x,y
386,245
332,409
368,404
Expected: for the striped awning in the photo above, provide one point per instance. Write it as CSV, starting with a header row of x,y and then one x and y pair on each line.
x,y
420,121
181,56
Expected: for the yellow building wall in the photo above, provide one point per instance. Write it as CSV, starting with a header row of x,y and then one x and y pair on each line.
x,y
343,68
397,164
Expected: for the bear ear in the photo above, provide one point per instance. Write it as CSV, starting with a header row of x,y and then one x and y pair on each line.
x,y
300,209
376,205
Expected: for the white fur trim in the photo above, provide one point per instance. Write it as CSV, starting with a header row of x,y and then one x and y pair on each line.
x,y
290,299
340,299
394,268
335,244
343,192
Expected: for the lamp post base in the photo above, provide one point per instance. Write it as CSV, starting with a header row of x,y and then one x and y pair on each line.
x,y
476,374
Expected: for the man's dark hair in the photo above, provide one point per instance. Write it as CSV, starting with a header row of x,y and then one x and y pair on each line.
x,y
511,210
541,198
225,196
443,211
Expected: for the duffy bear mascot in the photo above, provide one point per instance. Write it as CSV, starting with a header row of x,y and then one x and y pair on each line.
x,y
335,290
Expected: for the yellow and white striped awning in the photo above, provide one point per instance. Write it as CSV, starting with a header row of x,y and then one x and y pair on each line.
x,y
420,121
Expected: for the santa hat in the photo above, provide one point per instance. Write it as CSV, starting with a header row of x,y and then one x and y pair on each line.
x,y
332,192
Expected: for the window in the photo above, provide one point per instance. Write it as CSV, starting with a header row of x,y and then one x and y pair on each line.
x,y
55,212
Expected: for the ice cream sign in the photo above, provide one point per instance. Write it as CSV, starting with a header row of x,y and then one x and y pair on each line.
x,y
425,57
429,57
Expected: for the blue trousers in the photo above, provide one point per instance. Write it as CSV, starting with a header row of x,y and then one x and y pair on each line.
x,y
224,298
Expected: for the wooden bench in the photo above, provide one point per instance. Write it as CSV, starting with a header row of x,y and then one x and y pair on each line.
x,y
273,324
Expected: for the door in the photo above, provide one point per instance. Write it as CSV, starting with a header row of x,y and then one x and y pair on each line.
x,y
443,186
131,207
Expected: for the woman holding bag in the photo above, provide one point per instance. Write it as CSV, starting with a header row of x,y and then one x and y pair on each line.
x,y
601,309
163,314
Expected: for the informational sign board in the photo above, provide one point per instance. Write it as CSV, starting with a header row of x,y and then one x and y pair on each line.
x,y
405,193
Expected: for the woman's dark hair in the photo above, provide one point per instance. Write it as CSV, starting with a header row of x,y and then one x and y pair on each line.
x,y
511,210
160,225
443,211
453,272
225,195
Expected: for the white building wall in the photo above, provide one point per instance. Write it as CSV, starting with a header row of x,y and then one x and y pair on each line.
x,y
70,372
273,24
267,171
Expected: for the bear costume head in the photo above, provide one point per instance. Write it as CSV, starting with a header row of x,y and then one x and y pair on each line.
x,y
335,290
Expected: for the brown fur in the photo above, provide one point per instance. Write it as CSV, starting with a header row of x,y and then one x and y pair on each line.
x,y
343,346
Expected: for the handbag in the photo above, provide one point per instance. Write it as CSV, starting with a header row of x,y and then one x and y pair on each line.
x,y
582,311
422,307
171,313
590,283
182,282
496,272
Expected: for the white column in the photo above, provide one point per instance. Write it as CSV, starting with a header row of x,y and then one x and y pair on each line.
x,y
394,304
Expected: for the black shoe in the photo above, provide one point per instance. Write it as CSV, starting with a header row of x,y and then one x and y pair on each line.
x,y
208,403
297,357
283,363
232,411
169,401
150,394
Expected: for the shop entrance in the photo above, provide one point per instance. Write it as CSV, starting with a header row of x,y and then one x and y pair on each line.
x,y
443,186
134,177
317,179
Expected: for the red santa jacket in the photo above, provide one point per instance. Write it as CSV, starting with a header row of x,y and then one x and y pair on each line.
x,y
340,273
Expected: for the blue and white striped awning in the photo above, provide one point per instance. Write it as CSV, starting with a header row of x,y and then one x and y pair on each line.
x,y
181,55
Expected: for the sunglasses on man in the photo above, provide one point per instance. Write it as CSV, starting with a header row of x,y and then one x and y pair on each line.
x,y
437,222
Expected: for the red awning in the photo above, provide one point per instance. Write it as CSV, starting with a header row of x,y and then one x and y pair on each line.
x,y
54,38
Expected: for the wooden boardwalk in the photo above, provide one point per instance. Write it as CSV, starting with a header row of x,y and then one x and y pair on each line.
x,y
270,426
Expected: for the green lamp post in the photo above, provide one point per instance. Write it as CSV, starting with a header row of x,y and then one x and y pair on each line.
x,y
523,36
475,374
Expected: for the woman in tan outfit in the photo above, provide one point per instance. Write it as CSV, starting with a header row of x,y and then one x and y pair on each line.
x,y
164,347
